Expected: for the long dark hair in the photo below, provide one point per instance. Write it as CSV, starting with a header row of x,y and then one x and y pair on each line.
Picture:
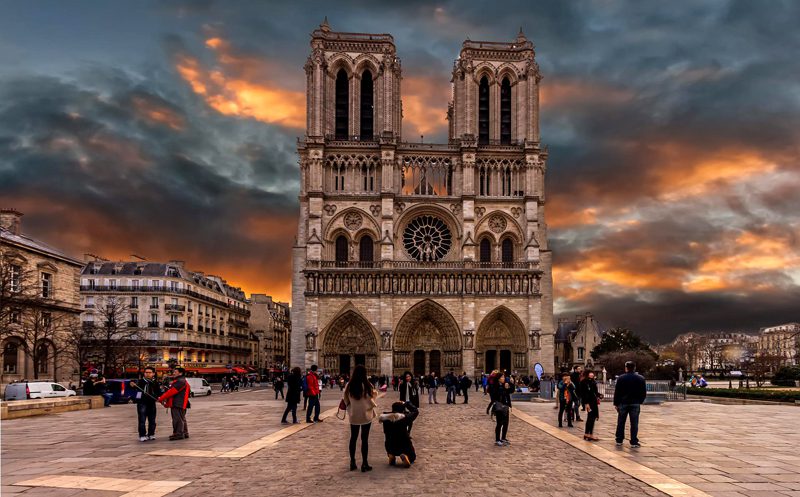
x,y
359,385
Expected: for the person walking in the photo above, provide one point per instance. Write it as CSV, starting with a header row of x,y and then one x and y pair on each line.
x,y
433,386
359,397
465,383
313,395
629,394
294,387
590,397
501,409
176,399
278,386
148,392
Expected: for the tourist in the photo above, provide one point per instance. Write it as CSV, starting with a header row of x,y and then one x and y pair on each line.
x,y
629,394
88,385
490,382
451,383
397,429
465,383
278,386
148,391
433,385
409,392
484,382
590,397
176,399
501,409
566,395
312,395
294,385
575,377
101,389
359,397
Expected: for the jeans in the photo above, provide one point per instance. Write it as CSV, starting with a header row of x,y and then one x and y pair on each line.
x,y
432,396
291,406
451,395
501,428
146,412
576,408
466,395
107,399
313,404
626,410
564,406
364,442
277,391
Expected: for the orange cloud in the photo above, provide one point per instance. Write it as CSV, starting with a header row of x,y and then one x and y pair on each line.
x,y
565,92
238,87
152,111
424,107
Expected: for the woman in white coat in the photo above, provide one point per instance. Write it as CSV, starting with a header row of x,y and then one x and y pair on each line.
x,y
359,397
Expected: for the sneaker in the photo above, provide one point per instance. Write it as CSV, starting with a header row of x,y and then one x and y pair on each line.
x,y
634,446
318,420
506,442
499,443
143,439
618,444
151,437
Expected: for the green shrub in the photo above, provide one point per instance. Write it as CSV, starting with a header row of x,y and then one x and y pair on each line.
x,y
752,394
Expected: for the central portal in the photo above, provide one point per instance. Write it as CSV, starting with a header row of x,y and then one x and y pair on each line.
x,y
427,339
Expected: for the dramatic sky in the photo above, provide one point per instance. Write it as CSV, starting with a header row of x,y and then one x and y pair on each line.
x,y
167,129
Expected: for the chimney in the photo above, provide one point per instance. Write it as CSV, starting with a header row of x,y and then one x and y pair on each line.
x,y
11,220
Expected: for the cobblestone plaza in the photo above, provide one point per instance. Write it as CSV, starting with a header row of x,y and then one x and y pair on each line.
x,y
237,444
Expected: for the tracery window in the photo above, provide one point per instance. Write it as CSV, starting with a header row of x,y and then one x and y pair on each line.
x,y
365,249
486,250
427,176
500,177
507,250
341,248
427,238
353,174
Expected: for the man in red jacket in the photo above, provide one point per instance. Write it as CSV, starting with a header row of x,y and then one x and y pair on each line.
x,y
312,381
177,400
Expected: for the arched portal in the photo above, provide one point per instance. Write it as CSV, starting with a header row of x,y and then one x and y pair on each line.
x,y
427,338
500,342
347,342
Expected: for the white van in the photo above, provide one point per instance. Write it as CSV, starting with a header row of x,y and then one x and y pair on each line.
x,y
198,386
37,390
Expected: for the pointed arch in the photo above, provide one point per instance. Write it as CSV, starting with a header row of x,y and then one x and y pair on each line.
x,y
484,112
427,325
500,341
348,339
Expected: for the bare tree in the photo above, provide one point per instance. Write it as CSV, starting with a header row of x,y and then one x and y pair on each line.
x,y
763,365
44,329
112,336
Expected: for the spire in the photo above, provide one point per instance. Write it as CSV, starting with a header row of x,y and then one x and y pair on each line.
x,y
325,27
521,36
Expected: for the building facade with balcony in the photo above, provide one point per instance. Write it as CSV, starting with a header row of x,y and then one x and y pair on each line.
x,y
781,340
169,314
415,256
270,322
39,306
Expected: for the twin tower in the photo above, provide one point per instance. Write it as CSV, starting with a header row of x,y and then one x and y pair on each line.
x,y
415,256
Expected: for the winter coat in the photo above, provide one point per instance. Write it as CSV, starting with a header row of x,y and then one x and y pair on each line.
x,y
409,392
312,383
150,391
294,385
395,429
177,395
361,411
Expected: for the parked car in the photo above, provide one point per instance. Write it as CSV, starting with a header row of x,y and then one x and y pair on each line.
x,y
36,390
121,391
198,386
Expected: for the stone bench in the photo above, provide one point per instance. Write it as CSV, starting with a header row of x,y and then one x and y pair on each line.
x,y
36,407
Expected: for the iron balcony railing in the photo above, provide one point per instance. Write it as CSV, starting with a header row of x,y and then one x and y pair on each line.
x,y
175,307
176,324
161,289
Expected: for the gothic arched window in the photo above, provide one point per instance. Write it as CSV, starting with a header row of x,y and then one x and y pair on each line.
x,y
365,248
486,250
505,112
483,111
341,248
508,250
366,130
342,104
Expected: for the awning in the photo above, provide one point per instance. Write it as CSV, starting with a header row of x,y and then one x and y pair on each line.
x,y
237,369
213,370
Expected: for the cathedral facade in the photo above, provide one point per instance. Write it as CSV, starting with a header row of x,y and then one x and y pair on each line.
x,y
417,256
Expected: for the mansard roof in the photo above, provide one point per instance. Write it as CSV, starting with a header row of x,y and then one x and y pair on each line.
x,y
26,242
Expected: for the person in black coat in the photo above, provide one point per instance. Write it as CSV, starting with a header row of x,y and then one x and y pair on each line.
x,y
590,397
409,389
464,382
501,409
396,427
629,394
294,384
148,390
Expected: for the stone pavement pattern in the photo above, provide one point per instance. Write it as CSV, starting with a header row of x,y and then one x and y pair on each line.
x,y
724,450
454,443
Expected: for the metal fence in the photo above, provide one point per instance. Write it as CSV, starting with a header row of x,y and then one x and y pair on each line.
x,y
656,389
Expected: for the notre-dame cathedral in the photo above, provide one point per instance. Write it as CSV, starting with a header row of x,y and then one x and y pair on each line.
x,y
417,256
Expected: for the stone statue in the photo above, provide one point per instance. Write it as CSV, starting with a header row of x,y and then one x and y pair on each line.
x,y
386,340
469,340
311,339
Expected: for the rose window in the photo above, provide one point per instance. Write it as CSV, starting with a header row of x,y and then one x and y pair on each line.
x,y
427,238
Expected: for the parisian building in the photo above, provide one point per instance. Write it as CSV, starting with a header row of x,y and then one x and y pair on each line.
x,y
421,256
575,339
270,323
40,305
782,340
177,316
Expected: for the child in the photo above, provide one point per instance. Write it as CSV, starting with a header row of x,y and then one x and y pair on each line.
x,y
395,428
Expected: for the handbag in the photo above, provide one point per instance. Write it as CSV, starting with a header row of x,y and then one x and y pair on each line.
x,y
342,409
499,408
